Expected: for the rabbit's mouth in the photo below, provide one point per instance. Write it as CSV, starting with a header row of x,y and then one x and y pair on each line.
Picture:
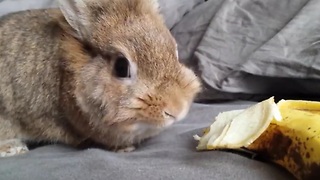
x,y
135,133
142,130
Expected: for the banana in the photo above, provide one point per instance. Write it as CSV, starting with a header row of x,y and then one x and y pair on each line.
x,y
286,133
236,128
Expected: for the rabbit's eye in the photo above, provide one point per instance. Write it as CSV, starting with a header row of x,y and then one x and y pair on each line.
x,y
122,67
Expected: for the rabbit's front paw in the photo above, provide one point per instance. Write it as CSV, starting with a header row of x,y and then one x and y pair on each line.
x,y
12,147
125,150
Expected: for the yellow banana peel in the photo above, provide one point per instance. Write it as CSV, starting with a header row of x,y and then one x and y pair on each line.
x,y
286,133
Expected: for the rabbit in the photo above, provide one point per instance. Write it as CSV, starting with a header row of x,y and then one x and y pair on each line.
x,y
103,72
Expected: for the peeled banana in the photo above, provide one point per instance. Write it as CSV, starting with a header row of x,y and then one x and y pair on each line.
x,y
286,133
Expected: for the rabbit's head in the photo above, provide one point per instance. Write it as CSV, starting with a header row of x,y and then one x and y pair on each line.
x,y
128,78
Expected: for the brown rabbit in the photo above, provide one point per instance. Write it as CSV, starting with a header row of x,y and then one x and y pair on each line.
x,y
101,71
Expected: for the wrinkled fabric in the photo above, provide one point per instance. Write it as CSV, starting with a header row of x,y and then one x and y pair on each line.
x,y
254,47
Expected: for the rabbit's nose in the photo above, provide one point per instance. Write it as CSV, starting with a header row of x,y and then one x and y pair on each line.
x,y
176,110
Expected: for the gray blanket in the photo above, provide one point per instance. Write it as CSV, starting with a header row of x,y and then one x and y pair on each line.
x,y
253,46
169,156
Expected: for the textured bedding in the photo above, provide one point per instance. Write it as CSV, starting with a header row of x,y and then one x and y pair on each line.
x,y
171,155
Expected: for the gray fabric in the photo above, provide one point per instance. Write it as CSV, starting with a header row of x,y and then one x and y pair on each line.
x,y
7,6
253,46
171,155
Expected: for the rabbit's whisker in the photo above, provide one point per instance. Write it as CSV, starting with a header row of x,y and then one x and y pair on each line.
x,y
143,100
150,97
134,108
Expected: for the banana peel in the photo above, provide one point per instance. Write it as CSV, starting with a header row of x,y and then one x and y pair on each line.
x,y
286,133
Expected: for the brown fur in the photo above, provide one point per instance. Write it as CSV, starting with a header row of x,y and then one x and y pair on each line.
x,y
57,83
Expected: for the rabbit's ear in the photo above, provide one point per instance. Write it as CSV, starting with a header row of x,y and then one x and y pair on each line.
x,y
76,14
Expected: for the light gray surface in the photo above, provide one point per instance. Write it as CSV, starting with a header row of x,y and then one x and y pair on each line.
x,y
7,6
171,155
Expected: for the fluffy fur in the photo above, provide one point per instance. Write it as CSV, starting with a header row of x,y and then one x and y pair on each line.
x,y
56,74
